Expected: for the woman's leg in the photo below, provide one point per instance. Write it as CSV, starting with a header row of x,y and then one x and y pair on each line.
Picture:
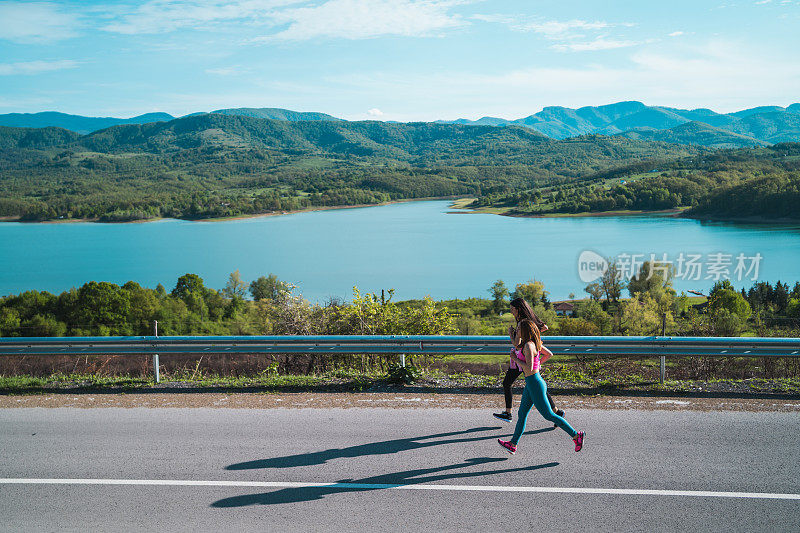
x,y
525,404
539,397
511,376
550,401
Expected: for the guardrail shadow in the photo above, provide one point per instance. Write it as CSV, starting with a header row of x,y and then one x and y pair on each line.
x,y
379,482
373,448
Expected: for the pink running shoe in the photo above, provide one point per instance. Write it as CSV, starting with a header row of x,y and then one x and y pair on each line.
x,y
510,448
579,441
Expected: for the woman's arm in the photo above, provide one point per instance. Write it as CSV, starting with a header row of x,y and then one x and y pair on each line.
x,y
528,362
544,354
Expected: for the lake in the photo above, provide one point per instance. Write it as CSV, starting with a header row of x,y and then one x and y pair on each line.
x,y
417,248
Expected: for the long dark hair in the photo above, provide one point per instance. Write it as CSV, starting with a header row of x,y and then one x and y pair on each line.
x,y
528,331
526,311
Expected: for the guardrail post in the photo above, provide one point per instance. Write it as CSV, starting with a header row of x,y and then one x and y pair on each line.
x,y
155,356
663,358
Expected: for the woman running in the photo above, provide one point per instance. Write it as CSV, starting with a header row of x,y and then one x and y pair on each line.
x,y
535,393
520,309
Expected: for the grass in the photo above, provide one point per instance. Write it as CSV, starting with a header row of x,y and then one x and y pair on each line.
x,y
72,381
589,378
351,381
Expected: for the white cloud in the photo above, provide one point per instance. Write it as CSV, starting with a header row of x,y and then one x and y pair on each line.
x,y
676,34
35,67
375,112
555,30
601,43
364,19
162,16
559,30
761,2
227,71
300,20
36,22
720,75
566,33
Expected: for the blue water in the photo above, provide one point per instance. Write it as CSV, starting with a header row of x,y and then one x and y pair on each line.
x,y
418,248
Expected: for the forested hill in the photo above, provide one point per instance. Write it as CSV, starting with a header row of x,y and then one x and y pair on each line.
x,y
770,190
275,114
761,183
403,142
20,138
219,165
750,127
697,133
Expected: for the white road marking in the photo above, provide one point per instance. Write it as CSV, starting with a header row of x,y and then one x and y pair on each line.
x,y
371,486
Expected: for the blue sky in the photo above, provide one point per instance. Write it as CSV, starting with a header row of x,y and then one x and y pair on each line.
x,y
395,59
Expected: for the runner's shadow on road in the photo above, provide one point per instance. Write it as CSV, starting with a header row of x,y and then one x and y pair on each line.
x,y
373,448
381,482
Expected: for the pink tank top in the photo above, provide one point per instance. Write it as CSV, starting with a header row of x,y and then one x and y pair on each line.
x,y
517,354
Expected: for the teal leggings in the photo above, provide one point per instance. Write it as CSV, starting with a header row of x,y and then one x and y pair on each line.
x,y
535,394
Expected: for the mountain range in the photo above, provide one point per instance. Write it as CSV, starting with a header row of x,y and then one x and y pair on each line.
x,y
81,124
758,126
749,127
216,164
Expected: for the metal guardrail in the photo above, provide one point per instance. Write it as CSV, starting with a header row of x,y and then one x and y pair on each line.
x,y
400,344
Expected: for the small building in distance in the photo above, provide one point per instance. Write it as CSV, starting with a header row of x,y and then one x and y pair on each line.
x,y
564,309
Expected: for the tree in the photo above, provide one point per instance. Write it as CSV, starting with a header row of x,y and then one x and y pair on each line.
x,y
235,288
611,282
531,291
103,304
9,322
796,290
499,292
759,296
793,309
727,324
41,326
577,327
653,277
186,284
593,312
731,301
595,291
723,284
144,304
268,288
781,296
640,315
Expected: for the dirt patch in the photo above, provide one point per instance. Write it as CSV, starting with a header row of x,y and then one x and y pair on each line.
x,y
305,400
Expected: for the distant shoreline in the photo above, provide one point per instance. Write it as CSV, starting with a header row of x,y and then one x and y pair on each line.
x,y
461,206
669,213
235,217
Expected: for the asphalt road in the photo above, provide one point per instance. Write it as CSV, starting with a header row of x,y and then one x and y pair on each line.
x,y
395,470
